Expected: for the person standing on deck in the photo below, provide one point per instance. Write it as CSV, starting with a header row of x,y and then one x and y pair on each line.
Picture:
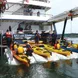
x,y
43,36
37,37
54,37
8,38
19,29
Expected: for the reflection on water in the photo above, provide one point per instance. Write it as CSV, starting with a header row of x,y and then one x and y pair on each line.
x,y
65,68
59,69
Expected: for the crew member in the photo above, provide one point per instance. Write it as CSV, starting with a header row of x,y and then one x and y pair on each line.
x,y
37,37
8,38
19,29
43,36
54,37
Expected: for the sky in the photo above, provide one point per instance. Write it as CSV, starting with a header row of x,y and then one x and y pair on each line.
x,y
59,6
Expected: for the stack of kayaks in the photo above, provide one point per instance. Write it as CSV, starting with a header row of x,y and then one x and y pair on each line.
x,y
32,41
41,51
23,59
60,51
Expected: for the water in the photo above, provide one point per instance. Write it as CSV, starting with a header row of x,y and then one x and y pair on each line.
x,y
75,40
59,69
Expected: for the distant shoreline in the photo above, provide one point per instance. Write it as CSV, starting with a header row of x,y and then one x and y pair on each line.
x,y
71,35
74,35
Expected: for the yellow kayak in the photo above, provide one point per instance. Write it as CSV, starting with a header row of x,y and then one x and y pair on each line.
x,y
21,58
60,51
75,46
41,51
33,42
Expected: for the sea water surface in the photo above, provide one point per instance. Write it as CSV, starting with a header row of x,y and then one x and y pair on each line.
x,y
58,69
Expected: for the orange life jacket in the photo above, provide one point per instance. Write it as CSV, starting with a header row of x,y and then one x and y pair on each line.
x,y
55,46
2,3
8,35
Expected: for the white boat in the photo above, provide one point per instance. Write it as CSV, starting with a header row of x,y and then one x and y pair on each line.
x,y
30,14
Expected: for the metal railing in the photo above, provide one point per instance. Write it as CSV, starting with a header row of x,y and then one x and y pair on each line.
x,y
47,1
30,14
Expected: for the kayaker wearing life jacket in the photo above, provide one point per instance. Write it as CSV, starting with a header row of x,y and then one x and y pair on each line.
x,y
57,45
15,46
29,49
20,50
8,38
20,53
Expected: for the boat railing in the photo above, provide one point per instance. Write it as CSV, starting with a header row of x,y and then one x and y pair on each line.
x,y
27,31
22,32
33,14
25,13
36,14
47,1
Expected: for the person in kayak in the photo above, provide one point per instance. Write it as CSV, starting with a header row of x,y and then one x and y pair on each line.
x,y
29,49
20,53
57,45
20,50
15,46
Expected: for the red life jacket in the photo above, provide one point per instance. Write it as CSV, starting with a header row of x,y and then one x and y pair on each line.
x,y
55,46
8,35
2,3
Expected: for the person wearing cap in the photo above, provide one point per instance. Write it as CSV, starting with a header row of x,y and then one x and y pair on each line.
x,y
29,49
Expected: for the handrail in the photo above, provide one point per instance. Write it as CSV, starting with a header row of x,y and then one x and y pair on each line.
x,y
47,1
29,14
